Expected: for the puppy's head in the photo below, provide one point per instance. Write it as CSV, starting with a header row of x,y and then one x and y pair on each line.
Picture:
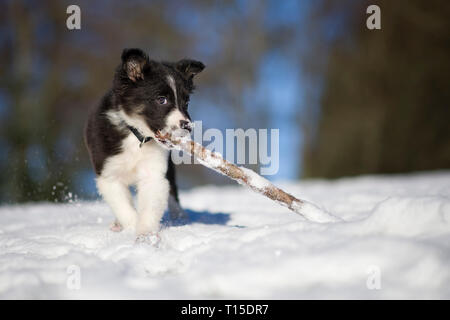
x,y
154,96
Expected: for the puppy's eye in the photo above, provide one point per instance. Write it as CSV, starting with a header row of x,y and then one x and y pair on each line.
x,y
162,100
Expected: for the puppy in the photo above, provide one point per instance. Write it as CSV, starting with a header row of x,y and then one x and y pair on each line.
x,y
146,96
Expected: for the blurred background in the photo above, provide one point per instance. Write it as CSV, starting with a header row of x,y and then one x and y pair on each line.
x,y
347,100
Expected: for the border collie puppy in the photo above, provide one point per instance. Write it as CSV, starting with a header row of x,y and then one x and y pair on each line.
x,y
147,96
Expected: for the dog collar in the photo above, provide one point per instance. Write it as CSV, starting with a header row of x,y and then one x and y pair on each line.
x,y
139,136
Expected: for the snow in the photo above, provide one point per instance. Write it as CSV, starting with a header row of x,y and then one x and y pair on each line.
x,y
211,161
394,243
313,213
255,179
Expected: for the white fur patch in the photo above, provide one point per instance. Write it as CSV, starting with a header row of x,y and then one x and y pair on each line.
x,y
173,120
145,167
175,116
116,117
118,197
173,86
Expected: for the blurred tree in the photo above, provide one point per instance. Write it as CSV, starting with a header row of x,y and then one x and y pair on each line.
x,y
384,94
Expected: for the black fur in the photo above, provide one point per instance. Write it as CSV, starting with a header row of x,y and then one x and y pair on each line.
x,y
137,85
170,175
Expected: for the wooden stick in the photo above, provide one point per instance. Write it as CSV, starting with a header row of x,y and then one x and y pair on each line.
x,y
245,176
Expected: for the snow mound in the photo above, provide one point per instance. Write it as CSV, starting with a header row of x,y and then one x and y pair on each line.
x,y
406,216
392,241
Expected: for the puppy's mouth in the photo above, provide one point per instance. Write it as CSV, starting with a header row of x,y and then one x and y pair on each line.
x,y
178,124
180,132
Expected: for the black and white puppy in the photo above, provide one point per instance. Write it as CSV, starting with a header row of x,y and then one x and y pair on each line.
x,y
147,96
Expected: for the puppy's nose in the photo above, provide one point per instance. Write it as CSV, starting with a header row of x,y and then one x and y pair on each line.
x,y
186,125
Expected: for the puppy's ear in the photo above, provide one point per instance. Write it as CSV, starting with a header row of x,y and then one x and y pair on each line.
x,y
189,67
134,61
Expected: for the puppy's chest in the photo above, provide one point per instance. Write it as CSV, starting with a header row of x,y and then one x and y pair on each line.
x,y
134,162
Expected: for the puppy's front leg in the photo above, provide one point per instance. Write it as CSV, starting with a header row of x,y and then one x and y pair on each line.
x,y
118,197
153,192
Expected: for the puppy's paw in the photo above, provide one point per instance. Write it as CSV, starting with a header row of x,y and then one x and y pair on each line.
x,y
115,226
151,238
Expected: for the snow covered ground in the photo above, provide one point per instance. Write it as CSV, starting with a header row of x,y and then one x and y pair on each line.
x,y
394,243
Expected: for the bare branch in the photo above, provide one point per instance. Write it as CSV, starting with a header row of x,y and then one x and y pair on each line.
x,y
244,176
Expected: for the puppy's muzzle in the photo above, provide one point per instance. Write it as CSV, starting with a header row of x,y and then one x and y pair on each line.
x,y
186,125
